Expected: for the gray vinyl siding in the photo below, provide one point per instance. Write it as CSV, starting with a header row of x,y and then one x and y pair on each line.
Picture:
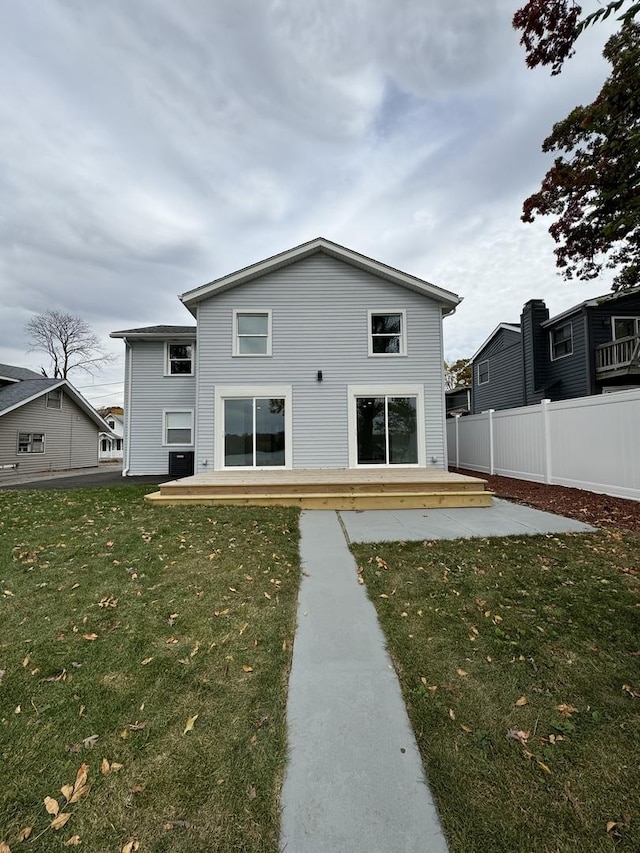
x,y
568,377
319,315
149,395
504,390
71,438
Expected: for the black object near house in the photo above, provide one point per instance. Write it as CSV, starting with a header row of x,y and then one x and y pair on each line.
x,y
592,348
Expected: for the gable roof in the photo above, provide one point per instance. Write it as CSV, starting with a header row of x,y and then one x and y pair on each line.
x,y
151,333
512,327
20,393
446,298
11,373
591,303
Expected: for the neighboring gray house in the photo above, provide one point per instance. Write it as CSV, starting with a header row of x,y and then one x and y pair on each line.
x,y
315,358
592,348
45,424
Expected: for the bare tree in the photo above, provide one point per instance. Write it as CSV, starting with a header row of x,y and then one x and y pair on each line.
x,y
69,343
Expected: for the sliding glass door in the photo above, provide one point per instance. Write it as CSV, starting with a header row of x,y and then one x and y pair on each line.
x,y
254,432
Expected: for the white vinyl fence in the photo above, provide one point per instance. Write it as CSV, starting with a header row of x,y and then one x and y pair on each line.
x,y
589,443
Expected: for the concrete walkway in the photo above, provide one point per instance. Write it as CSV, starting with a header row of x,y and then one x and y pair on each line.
x,y
354,782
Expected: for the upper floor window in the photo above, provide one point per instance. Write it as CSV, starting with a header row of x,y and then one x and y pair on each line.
x,y
625,327
179,360
561,341
111,424
54,399
252,333
30,442
387,333
483,372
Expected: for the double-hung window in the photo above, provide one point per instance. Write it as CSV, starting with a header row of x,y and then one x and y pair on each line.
x,y
387,333
252,333
561,341
179,360
54,399
178,427
30,442
483,372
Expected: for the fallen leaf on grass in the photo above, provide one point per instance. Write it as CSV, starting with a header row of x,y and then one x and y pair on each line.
x,y
74,841
130,846
90,637
452,713
146,661
4,848
521,701
462,673
106,767
543,766
190,724
89,742
51,805
251,792
466,729
59,821
26,662
25,833
635,694
519,735
566,710
247,668
67,791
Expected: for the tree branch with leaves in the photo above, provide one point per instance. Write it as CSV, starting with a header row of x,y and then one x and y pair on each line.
x,y
69,343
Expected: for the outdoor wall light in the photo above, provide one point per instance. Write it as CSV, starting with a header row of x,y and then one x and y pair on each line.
x,y
319,376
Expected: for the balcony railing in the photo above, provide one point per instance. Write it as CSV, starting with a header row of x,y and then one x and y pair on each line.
x,y
621,356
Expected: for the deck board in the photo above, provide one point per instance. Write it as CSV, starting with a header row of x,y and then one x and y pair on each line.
x,y
324,488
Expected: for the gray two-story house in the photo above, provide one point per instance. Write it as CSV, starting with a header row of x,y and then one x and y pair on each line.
x,y
592,348
318,357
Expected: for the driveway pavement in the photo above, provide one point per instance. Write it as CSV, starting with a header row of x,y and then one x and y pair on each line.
x,y
106,474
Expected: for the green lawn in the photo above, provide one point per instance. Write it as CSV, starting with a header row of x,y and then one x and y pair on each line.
x,y
122,625
520,665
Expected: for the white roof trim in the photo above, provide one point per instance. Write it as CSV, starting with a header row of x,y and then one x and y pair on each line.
x,y
508,326
448,299
76,396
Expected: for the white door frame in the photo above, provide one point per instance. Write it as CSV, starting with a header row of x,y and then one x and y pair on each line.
x,y
226,392
386,390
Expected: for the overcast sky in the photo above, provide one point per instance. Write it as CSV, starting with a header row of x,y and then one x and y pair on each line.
x,y
148,147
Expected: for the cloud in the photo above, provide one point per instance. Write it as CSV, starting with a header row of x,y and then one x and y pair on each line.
x,y
149,147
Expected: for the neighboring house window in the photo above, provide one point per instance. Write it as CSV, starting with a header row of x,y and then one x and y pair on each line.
x,y
483,372
252,333
179,359
387,333
178,427
118,444
561,341
111,424
54,399
625,327
30,442
104,445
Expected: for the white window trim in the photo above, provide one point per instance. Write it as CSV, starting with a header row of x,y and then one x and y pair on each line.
x,y
236,349
60,399
172,411
403,334
31,433
226,392
557,329
167,361
486,381
355,391
622,317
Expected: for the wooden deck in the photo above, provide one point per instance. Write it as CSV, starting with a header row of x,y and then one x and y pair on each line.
x,y
323,488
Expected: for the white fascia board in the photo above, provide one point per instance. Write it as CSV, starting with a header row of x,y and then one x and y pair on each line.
x,y
500,326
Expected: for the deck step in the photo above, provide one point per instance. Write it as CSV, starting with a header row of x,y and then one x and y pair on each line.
x,y
342,499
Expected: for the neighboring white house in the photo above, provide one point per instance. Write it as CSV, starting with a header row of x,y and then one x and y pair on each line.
x,y
318,357
45,424
111,445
